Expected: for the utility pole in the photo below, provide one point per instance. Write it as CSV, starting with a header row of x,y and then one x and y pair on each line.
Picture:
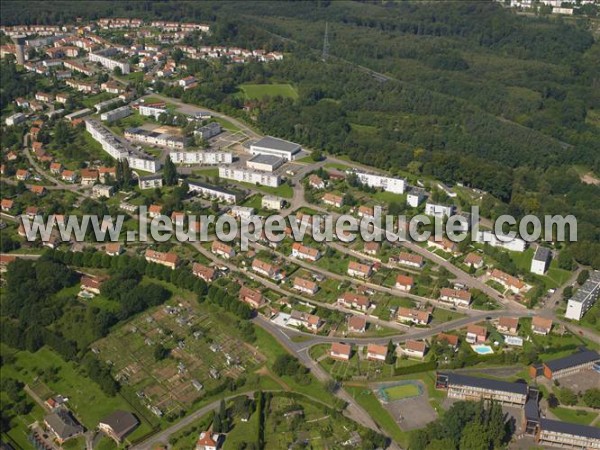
x,y
326,43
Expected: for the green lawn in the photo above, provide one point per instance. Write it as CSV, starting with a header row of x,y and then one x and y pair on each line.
x,y
402,391
284,190
86,399
259,91
574,416
226,124
242,432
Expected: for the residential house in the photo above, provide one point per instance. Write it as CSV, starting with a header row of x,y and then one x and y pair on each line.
x,y
333,200
449,339
154,211
209,441
474,260
457,297
118,424
416,316
304,252
201,271
266,269
376,352
316,182
340,351
508,325
515,285
69,176
113,249
62,425
371,248
357,324
56,168
359,270
171,260
88,177
539,325
251,296
305,286
476,334
444,244
302,319
6,204
351,300
150,181
32,211
22,174
221,249
366,211
106,173
91,284
414,349
409,259
404,283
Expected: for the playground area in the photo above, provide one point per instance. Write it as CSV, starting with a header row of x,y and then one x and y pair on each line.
x,y
407,402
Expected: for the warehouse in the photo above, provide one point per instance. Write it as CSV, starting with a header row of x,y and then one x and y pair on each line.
x,y
266,163
277,147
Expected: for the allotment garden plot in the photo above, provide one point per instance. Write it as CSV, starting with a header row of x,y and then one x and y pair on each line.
x,y
172,355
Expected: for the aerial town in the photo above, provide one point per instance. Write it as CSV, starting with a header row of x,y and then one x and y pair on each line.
x,y
131,115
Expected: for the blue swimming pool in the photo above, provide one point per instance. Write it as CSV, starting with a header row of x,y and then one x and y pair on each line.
x,y
482,349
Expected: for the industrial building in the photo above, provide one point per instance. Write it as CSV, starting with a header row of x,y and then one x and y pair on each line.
x,y
274,146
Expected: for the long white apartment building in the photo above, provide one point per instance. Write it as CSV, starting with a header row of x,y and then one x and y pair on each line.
x,y
106,58
151,111
584,298
514,245
156,138
250,176
389,184
120,149
213,192
439,210
116,114
201,157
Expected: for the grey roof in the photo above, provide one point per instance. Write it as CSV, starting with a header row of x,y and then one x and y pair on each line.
x,y
531,409
570,428
266,159
210,187
121,422
542,254
576,359
589,289
63,423
486,383
278,144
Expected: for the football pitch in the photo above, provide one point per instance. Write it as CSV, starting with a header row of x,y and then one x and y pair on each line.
x,y
402,391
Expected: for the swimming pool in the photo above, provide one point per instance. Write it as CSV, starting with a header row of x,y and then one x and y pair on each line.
x,y
482,349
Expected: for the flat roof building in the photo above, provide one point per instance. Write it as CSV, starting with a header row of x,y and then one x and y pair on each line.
x,y
541,258
465,387
584,298
266,163
569,365
274,146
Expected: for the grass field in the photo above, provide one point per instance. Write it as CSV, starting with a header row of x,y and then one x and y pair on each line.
x,y
259,91
579,416
226,124
401,391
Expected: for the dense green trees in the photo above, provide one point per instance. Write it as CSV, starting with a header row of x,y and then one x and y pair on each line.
x,y
465,426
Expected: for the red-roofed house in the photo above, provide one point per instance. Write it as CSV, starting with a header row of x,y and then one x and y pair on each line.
x,y
69,176
539,325
333,200
265,269
508,324
6,204
316,182
88,177
376,352
359,270
209,441
56,168
417,316
457,297
221,249
351,300
515,285
113,249
414,349
474,260
303,252
476,334
204,272
22,174
306,286
166,259
409,259
404,283
449,339
371,248
340,351
357,324
91,284
251,297
154,211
